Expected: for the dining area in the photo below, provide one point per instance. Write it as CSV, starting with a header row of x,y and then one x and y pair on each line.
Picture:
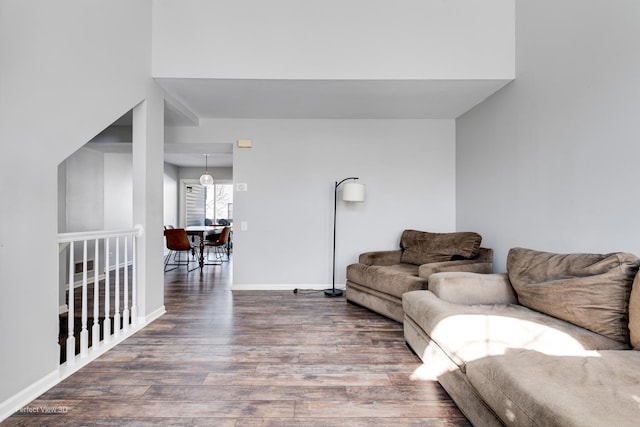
x,y
198,246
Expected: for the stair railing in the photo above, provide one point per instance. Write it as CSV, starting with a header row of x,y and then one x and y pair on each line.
x,y
124,299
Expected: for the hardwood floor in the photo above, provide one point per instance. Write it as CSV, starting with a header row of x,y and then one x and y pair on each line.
x,y
250,358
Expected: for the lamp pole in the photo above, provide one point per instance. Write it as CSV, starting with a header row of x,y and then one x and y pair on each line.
x,y
333,292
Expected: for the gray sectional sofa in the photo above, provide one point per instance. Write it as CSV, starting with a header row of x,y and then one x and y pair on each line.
x,y
551,342
380,278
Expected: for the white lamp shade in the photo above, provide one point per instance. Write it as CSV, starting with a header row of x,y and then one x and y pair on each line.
x,y
206,179
353,192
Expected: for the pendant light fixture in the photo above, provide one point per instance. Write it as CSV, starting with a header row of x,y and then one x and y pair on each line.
x,y
206,179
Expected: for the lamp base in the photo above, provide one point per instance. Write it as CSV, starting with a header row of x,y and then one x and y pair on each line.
x,y
332,292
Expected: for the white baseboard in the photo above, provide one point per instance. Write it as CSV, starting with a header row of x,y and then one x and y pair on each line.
x,y
154,315
22,398
278,287
28,394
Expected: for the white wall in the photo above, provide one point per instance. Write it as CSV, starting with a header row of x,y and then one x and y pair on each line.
x,y
407,165
170,198
85,192
334,39
66,75
98,193
550,161
118,191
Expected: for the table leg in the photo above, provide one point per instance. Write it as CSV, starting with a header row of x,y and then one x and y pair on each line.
x,y
201,252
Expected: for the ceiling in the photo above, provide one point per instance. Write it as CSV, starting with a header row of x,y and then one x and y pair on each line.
x,y
192,155
192,99
329,99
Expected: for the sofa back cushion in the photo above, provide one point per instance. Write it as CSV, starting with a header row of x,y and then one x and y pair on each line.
x,y
421,247
588,290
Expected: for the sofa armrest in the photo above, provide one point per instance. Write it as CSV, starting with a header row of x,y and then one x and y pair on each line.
x,y
380,257
472,288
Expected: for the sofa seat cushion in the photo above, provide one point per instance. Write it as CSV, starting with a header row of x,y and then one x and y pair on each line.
x,y
421,247
527,388
470,332
589,290
389,279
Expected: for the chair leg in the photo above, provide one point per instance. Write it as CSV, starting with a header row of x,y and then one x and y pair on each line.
x,y
167,259
177,259
188,262
208,259
220,253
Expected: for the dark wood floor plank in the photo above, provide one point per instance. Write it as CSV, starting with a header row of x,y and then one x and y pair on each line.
x,y
377,409
251,359
253,392
352,422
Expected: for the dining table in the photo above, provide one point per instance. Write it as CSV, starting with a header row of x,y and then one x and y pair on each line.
x,y
201,231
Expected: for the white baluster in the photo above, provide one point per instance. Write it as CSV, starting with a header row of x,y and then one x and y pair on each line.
x,y
134,287
125,312
95,331
116,302
106,324
71,340
84,333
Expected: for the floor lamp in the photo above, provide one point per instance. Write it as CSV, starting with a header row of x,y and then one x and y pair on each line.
x,y
352,192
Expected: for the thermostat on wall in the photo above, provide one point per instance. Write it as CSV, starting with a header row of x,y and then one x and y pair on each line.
x,y
242,187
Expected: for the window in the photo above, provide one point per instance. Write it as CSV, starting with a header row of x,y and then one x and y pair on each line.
x,y
208,205
219,203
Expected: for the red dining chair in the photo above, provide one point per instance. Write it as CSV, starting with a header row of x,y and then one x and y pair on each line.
x,y
219,246
178,242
